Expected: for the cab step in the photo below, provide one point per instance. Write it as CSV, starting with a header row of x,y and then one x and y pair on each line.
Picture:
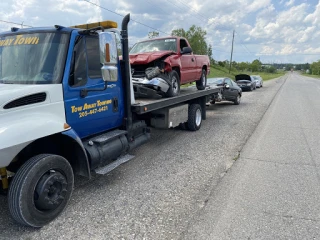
x,y
108,168
107,137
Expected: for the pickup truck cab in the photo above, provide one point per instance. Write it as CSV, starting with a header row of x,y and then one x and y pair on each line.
x,y
171,62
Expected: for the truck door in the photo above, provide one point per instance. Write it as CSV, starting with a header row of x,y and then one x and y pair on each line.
x,y
188,64
90,112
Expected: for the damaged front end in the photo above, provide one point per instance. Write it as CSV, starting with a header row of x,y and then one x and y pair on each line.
x,y
151,74
152,83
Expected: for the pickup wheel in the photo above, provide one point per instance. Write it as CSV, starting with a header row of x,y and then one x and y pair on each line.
x,y
202,82
174,89
40,190
194,117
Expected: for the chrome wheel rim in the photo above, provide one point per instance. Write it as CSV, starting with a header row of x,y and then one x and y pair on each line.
x,y
174,85
198,117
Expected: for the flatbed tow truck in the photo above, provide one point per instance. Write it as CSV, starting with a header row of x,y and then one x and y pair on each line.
x,y
67,108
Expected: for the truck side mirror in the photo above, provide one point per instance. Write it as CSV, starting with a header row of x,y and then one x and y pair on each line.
x,y
186,50
108,56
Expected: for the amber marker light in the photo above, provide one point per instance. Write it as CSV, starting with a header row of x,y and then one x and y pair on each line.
x,y
107,52
66,126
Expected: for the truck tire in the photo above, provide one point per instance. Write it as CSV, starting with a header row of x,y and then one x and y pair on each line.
x,y
174,89
194,117
40,190
202,82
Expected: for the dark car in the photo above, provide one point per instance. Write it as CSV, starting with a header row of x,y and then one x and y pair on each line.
x,y
246,82
230,91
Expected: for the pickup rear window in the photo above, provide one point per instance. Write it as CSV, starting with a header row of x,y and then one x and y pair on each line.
x,y
155,45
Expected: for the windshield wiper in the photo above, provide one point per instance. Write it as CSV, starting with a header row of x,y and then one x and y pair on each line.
x,y
6,82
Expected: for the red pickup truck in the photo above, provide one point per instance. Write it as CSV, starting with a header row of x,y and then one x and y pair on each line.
x,y
159,66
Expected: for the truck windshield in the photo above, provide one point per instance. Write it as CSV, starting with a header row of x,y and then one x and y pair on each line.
x,y
155,45
32,58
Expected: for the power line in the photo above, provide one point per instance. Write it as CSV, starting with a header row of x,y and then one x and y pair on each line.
x,y
184,3
183,10
123,16
15,23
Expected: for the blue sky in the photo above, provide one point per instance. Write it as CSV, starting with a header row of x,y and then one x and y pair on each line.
x,y
272,31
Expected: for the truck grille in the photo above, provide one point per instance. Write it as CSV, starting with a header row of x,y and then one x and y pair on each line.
x,y
27,100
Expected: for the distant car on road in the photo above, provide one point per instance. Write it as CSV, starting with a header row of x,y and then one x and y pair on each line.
x,y
230,91
246,82
259,80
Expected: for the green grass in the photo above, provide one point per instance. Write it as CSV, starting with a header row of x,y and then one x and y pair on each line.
x,y
218,71
310,75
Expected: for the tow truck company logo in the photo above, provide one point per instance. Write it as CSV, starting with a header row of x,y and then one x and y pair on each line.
x,y
91,108
19,40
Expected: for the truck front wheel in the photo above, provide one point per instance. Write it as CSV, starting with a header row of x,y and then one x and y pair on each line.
x,y
174,89
40,190
202,82
194,117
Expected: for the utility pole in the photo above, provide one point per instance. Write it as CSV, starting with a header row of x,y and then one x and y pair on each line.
x,y
231,52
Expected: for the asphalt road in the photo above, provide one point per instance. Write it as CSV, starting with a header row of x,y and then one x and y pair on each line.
x,y
184,185
273,190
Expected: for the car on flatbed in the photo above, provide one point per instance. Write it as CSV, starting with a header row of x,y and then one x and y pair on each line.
x,y
159,66
230,90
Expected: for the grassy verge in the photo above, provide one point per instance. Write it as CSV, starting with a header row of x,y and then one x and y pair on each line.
x,y
218,71
309,75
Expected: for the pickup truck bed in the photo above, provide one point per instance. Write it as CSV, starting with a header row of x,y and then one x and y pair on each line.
x,y
144,105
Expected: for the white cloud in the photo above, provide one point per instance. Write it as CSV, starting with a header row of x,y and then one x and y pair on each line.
x,y
286,50
260,25
289,3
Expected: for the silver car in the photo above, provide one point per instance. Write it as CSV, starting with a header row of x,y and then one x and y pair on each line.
x,y
259,80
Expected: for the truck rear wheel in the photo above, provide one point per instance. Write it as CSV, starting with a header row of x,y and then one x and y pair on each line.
x,y
174,89
40,190
194,117
202,82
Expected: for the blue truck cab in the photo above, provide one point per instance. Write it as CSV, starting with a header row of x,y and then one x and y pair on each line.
x,y
67,108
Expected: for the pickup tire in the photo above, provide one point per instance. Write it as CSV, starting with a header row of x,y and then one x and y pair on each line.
x,y
202,82
174,89
194,117
40,190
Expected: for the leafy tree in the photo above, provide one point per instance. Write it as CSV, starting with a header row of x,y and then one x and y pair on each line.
x,y
210,53
271,69
179,33
315,68
243,66
196,38
153,34
256,65
222,64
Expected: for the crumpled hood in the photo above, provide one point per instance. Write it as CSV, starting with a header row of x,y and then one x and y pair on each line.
x,y
147,57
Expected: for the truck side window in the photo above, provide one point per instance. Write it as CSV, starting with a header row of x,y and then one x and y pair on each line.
x,y
93,57
79,77
183,44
